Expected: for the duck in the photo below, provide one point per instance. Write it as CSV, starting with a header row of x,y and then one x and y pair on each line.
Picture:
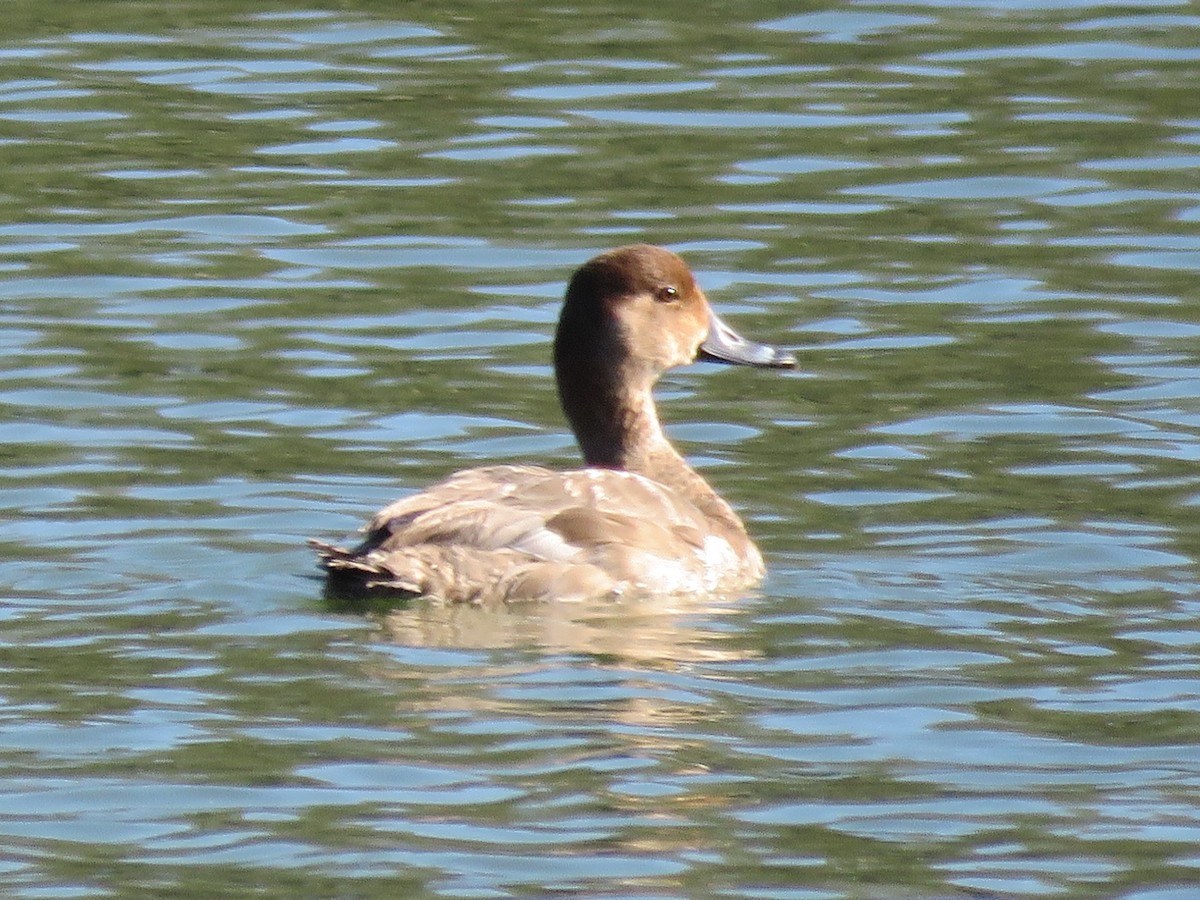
x,y
637,519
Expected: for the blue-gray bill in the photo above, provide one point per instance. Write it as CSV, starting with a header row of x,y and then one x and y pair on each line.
x,y
724,345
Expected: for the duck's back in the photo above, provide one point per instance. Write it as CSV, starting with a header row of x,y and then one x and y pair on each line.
x,y
508,533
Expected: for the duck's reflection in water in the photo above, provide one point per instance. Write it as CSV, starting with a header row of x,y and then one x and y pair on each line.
x,y
650,630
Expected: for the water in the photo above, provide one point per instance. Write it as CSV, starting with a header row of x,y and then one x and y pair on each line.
x,y
263,271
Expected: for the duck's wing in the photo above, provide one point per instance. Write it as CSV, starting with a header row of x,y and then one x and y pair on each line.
x,y
547,514
484,509
524,532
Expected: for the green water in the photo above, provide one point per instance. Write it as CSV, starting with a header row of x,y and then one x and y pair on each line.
x,y
265,267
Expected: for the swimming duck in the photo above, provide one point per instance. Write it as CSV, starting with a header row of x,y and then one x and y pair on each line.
x,y
637,519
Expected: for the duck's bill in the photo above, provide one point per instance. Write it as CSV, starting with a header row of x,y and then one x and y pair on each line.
x,y
724,345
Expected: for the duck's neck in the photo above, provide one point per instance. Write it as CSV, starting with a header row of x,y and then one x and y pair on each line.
x,y
620,430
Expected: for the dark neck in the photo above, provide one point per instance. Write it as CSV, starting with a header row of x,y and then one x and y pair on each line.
x,y
620,430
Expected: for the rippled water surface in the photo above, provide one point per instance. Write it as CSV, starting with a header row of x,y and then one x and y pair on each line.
x,y
264,267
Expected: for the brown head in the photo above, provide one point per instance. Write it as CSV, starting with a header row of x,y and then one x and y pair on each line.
x,y
630,314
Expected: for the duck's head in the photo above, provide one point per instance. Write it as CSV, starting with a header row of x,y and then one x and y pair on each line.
x,y
634,312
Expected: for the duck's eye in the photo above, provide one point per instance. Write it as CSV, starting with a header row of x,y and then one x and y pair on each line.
x,y
666,294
